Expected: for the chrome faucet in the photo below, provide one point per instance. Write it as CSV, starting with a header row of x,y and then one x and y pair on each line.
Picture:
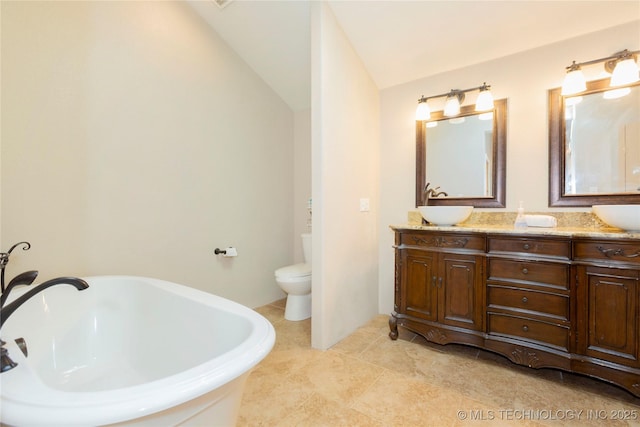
x,y
432,193
26,278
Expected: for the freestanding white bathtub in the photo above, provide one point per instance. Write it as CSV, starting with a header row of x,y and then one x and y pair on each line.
x,y
129,351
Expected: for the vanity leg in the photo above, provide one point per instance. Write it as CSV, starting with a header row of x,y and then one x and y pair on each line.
x,y
393,326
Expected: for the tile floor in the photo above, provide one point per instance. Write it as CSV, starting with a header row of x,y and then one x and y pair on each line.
x,y
369,380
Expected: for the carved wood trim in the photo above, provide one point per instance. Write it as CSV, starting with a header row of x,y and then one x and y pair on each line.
x,y
441,242
437,336
393,327
523,356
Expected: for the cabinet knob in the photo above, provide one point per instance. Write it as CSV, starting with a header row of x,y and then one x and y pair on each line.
x,y
525,299
525,271
525,328
526,246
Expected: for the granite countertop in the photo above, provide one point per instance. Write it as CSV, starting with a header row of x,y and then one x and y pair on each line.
x,y
602,232
570,224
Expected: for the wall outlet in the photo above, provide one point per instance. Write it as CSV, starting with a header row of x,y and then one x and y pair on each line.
x,y
364,205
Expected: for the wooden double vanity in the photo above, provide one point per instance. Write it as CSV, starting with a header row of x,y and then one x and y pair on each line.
x,y
558,299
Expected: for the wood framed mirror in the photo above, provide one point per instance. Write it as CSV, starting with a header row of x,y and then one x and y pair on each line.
x,y
465,158
594,146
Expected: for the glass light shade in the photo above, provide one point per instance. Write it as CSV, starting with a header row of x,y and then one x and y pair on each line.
x,y
452,106
574,82
626,72
616,93
484,101
423,112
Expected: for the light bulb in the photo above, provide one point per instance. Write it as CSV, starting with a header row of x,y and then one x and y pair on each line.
x,y
423,112
574,82
452,106
484,101
626,72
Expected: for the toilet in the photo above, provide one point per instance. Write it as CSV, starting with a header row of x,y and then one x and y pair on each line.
x,y
295,280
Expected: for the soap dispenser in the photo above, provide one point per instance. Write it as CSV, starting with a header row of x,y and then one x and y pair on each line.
x,y
521,221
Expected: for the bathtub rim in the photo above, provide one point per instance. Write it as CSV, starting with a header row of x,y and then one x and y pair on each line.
x,y
118,405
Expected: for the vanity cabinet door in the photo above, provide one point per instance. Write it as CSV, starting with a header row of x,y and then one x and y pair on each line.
x,y
460,286
442,287
609,317
419,288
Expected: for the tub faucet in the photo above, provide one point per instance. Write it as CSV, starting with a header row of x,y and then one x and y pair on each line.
x,y
4,260
428,193
25,278
5,361
10,308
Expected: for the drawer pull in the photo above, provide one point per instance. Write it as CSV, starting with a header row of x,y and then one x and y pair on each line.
x,y
525,271
526,246
525,328
611,252
525,300
433,281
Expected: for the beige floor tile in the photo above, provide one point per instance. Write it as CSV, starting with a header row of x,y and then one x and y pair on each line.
x,y
339,377
320,412
368,379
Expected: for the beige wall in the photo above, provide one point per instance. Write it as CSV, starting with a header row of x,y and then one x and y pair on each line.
x,y
134,141
302,179
345,168
524,80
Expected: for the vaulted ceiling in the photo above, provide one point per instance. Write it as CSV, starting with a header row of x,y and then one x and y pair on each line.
x,y
400,41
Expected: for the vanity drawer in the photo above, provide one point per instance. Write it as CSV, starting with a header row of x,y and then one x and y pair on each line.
x,y
544,247
543,303
547,273
430,240
531,330
607,250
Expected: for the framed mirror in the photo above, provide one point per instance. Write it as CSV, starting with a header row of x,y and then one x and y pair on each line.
x,y
594,146
465,156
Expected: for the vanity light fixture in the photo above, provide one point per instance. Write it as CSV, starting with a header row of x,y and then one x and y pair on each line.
x,y
622,66
452,104
485,99
454,99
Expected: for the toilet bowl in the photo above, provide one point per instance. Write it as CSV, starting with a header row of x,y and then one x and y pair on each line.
x,y
295,280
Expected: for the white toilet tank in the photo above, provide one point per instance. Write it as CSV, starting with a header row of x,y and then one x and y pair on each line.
x,y
306,247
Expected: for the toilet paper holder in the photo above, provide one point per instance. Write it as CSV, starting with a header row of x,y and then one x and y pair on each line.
x,y
227,252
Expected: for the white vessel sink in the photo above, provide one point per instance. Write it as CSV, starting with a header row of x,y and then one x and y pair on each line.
x,y
445,215
626,217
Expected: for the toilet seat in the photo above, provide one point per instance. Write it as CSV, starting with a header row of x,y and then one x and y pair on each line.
x,y
296,271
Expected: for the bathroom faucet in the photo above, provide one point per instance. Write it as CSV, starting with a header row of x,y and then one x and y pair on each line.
x,y
5,361
428,193
4,260
10,308
26,278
